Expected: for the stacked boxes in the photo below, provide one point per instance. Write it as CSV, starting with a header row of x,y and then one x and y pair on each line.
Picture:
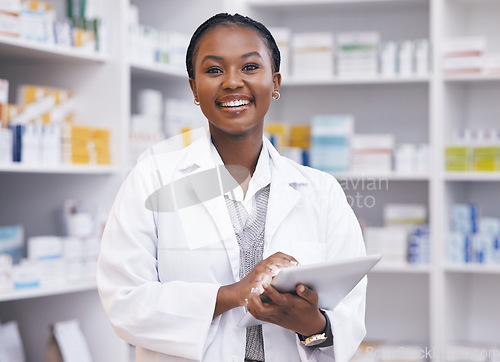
x,y
312,55
152,46
372,152
85,145
464,55
474,150
357,54
35,20
41,131
9,17
330,142
405,236
292,141
473,239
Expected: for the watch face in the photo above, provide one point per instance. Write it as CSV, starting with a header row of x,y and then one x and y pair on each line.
x,y
315,340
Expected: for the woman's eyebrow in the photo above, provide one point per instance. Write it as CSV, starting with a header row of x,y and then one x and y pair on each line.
x,y
214,57
251,54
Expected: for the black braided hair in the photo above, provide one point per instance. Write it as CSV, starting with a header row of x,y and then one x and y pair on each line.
x,y
225,19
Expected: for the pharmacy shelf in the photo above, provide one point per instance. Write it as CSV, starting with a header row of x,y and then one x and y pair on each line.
x,y
388,268
332,81
13,48
280,4
473,269
473,78
474,2
472,176
155,70
47,291
62,169
393,176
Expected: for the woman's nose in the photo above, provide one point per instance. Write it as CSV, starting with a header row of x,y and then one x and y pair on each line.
x,y
232,80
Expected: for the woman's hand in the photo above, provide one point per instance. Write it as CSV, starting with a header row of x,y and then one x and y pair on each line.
x,y
299,313
237,294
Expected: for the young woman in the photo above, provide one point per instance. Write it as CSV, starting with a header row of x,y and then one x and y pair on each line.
x,y
183,255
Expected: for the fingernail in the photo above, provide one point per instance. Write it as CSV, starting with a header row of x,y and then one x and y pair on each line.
x,y
246,301
265,285
293,262
253,290
302,289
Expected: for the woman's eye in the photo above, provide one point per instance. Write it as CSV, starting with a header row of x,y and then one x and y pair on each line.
x,y
213,70
251,67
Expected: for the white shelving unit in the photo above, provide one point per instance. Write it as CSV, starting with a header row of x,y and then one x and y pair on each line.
x,y
31,195
434,305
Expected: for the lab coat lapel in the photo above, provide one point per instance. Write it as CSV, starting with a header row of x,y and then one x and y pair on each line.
x,y
207,223
283,196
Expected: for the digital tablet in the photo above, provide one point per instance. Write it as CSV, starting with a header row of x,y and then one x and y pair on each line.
x,y
331,280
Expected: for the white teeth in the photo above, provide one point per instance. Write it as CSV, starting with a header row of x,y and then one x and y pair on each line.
x,y
236,103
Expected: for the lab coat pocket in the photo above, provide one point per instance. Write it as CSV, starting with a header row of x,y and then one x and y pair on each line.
x,y
309,252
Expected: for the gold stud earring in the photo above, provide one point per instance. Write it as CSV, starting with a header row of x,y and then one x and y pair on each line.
x,y
196,102
276,95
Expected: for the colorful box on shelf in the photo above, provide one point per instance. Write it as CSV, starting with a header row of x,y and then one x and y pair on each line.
x,y
292,141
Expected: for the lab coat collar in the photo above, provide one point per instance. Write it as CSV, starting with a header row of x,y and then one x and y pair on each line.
x,y
283,197
199,157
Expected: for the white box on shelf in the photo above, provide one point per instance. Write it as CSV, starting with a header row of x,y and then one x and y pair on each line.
x,y
312,55
10,6
460,65
5,272
9,24
405,58
465,46
357,54
391,242
422,57
388,52
372,152
45,247
492,63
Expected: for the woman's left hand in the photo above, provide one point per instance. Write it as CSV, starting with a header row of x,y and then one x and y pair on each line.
x,y
298,313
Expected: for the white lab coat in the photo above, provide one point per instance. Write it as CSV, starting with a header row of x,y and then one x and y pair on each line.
x,y
159,272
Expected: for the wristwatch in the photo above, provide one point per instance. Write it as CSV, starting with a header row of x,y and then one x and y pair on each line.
x,y
314,340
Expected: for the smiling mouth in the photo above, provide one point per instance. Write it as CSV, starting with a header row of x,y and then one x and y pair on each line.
x,y
234,104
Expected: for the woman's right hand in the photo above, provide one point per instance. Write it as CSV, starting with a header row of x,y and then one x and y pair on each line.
x,y
236,295
262,274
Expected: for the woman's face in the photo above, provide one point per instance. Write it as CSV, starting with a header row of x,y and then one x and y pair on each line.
x,y
234,79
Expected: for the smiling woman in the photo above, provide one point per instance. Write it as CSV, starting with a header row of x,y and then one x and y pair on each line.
x,y
233,80
183,259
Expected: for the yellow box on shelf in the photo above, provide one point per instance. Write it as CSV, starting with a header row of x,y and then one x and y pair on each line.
x,y
277,133
457,158
300,136
487,158
37,5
